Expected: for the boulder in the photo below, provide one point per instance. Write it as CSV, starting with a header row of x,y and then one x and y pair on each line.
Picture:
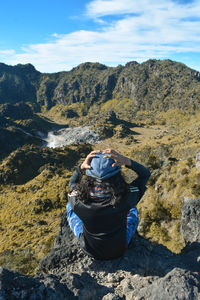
x,y
16,286
190,221
178,284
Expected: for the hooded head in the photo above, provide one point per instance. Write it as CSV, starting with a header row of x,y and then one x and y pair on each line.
x,y
101,167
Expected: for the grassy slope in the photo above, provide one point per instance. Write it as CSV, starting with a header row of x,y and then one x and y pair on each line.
x,y
23,240
158,136
30,211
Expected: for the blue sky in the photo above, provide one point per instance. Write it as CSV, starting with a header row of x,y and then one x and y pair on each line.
x,y
57,35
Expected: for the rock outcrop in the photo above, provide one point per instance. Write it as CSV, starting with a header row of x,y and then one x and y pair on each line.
x,y
147,271
16,286
190,221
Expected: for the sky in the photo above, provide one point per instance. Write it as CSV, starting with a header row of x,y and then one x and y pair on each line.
x,y
57,35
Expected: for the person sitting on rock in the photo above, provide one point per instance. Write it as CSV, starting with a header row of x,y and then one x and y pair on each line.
x,y
101,208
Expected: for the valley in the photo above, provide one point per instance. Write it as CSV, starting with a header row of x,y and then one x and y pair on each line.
x,y
162,134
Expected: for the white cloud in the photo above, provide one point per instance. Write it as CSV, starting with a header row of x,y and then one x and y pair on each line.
x,y
101,8
144,29
5,54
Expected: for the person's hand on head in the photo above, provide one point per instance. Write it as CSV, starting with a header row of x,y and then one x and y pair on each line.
x,y
88,159
118,158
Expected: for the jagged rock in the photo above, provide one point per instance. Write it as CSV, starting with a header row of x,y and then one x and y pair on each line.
x,y
190,221
147,271
16,286
178,284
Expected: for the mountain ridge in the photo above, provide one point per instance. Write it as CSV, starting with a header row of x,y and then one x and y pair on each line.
x,y
154,84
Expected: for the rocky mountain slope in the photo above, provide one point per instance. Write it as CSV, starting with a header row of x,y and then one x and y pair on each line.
x,y
153,84
147,271
18,83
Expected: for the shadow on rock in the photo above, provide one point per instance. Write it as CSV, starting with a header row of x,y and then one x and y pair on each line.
x,y
146,271
142,257
16,286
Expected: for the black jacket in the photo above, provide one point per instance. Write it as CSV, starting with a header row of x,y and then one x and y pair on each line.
x,y
104,226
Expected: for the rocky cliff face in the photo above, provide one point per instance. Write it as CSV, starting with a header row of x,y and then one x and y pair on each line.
x,y
18,83
147,271
159,85
153,84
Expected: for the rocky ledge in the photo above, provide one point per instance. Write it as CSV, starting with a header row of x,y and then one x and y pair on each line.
x,y
147,271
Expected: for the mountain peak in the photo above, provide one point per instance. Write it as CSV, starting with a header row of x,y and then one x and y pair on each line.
x,y
26,68
90,66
